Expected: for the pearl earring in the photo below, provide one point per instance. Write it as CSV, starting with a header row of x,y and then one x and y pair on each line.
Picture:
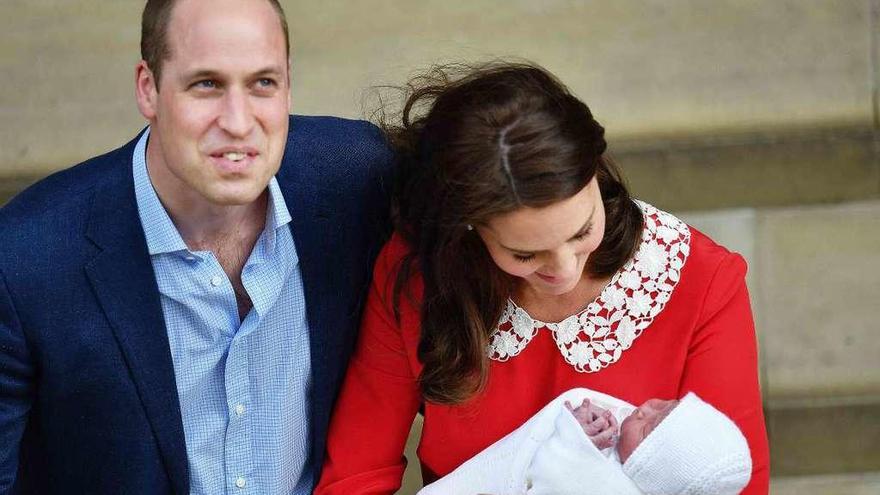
x,y
470,227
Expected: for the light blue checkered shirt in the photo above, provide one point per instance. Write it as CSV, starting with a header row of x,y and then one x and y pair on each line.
x,y
243,387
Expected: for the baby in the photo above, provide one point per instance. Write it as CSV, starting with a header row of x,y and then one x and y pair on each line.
x,y
601,428
662,447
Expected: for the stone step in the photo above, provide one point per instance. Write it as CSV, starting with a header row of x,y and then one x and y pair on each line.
x,y
642,66
777,167
773,167
823,435
838,484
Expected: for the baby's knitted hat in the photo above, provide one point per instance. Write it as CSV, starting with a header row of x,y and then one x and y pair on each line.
x,y
695,450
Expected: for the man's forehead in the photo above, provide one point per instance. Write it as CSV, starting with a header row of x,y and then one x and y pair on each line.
x,y
221,8
204,28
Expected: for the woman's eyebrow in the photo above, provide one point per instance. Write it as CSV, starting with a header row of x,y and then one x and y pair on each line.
x,y
579,232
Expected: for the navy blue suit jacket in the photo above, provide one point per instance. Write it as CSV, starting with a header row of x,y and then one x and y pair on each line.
x,y
88,402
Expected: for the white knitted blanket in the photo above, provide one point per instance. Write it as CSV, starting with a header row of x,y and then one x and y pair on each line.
x,y
548,454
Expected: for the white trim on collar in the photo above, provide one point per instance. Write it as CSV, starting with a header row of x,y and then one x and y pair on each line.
x,y
596,337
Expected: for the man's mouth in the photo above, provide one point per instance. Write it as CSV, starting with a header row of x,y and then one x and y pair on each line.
x,y
234,159
235,156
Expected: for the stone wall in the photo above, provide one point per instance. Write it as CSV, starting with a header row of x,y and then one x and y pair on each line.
x,y
646,67
756,121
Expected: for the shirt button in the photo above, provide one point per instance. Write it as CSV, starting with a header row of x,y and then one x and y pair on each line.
x,y
240,482
216,280
239,409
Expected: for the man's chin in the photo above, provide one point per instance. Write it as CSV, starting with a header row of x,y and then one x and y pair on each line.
x,y
234,197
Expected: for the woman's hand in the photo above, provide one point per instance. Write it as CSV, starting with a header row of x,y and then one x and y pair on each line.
x,y
598,423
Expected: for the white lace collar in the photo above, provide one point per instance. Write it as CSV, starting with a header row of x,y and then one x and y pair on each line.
x,y
597,336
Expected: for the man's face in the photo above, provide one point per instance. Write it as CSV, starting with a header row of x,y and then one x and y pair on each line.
x,y
219,115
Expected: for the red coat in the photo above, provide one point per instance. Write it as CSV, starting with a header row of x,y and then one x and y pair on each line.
x,y
703,340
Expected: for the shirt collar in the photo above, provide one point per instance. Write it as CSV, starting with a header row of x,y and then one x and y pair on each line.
x,y
277,214
161,234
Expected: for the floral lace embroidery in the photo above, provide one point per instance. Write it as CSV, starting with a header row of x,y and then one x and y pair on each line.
x,y
597,336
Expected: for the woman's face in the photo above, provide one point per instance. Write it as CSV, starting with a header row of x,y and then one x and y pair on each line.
x,y
638,425
548,247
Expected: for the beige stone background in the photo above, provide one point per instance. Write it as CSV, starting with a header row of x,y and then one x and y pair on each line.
x,y
755,120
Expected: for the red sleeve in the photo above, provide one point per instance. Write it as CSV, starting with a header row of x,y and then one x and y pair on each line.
x,y
377,403
722,363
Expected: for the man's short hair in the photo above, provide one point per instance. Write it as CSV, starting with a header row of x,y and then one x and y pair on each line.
x,y
154,33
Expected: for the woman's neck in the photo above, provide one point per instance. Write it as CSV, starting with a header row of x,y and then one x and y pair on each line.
x,y
554,308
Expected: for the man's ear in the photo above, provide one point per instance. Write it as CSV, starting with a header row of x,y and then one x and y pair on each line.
x,y
146,90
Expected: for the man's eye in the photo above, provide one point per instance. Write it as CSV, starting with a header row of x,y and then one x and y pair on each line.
x,y
266,82
205,84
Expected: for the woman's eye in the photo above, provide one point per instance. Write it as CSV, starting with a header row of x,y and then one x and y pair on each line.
x,y
524,258
583,234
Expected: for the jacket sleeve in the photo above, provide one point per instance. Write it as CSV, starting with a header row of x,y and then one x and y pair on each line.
x,y
722,363
377,403
16,388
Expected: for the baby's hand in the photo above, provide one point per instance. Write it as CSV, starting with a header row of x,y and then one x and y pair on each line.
x,y
598,423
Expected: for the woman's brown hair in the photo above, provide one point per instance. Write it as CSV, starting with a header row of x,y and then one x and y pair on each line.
x,y
473,143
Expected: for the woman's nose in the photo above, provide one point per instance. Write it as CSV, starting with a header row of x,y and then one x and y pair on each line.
x,y
564,263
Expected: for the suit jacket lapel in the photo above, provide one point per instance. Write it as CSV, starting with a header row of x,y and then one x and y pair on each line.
x,y
125,285
310,218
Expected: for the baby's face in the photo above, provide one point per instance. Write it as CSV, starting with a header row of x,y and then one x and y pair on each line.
x,y
638,425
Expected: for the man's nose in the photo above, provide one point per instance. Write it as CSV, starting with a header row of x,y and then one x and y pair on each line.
x,y
237,116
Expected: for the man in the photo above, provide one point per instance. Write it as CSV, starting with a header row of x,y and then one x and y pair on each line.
x,y
176,315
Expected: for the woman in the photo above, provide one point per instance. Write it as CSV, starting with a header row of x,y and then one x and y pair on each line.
x,y
521,268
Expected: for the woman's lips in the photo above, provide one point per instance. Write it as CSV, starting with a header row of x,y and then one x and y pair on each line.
x,y
549,279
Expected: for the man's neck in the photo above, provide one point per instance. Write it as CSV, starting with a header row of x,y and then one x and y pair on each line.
x,y
209,227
